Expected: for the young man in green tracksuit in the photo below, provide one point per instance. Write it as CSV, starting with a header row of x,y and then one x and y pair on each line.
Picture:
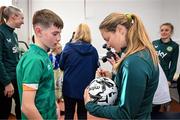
x,y
34,71
9,57
137,70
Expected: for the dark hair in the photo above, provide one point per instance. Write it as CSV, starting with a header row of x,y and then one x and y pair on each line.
x,y
46,18
6,12
72,37
33,39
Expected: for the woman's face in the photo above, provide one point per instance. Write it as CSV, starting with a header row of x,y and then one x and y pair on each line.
x,y
18,19
58,49
117,39
166,32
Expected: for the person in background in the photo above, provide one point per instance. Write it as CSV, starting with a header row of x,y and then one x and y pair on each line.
x,y
55,57
168,52
79,61
11,18
136,71
35,72
72,37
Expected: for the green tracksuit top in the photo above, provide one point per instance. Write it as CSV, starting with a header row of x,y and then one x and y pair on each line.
x,y
168,55
9,55
137,80
35,69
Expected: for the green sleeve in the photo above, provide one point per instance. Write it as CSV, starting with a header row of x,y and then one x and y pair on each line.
x,y
33,70
110,112
173,66
4,79
131,92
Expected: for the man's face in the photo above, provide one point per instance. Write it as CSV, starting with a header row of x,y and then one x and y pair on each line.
x,y
51,36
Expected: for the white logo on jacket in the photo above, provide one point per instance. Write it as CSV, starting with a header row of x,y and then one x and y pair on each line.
x,y
156,46
49,67
161,54
15,49
9,40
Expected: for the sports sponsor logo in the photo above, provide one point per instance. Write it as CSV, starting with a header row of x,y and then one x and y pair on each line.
x,y
161,54
94,87
15,49
49,67
169,48
156,46
9,40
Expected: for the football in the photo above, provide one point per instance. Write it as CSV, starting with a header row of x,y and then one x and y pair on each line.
x,y
103,91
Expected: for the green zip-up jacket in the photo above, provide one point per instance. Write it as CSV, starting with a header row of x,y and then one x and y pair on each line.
x,y
9,55
168,55
137,80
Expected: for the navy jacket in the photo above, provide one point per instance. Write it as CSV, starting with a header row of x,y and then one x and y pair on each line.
x,y
79,61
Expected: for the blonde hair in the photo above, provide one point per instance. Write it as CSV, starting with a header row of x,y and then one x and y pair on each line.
x,y
6,12
137,38
57,46
83,33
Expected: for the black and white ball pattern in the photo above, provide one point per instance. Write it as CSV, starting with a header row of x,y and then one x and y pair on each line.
x,y
103,91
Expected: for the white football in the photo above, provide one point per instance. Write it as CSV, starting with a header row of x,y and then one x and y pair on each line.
x,y
103,91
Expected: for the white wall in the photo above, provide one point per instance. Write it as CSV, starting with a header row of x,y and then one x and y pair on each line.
x,y
152,12
170,11
5,2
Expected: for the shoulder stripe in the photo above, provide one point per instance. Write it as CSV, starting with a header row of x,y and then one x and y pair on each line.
x,y
124,85
30,86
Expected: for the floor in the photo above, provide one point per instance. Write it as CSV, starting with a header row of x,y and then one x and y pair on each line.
x,y
174,94
90,117
175,107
